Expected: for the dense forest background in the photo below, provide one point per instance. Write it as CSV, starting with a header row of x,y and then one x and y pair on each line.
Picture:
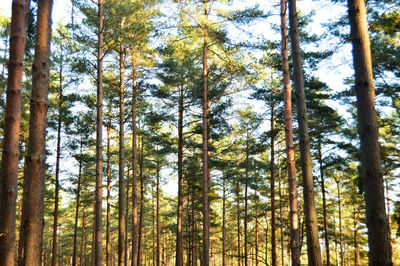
x,y
192,98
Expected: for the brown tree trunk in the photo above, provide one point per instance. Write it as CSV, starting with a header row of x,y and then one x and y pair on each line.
x,y
78,194
139,256
313,247
223,219
153,218
371,172
134,168
356,250
388,217
108,236
321,170
121,178
179,234
58,154
272,169
158,217
99,146
281,217
10,155
340,221
290,160
256,229
206,215
82,254
126,217
246,198
37,134
238,222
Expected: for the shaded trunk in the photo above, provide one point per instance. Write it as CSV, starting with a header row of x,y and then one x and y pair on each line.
x,y
121,167
256,228
108,233
290,160
126,218
281,219
78,195
223,219
356,249
179,234
238,221
37,134
371,172
58,154
10,154
245,198
272,169
388,217
82,254
153,218
158,218
313,247
340,222
134,167
206,216
321,170
99,146
139,256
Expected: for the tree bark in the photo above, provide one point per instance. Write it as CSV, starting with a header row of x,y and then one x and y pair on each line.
x,y
139,256
340,221
108,233
10,155
78,194
313,247
290,160
58,155
99,146
281,217
356,250
37,134
179,234
121,170
256,228
134,168
272,170
158,218
238,222
206,215
371,172
223,219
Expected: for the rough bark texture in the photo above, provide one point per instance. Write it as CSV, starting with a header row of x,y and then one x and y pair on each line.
x,y
121,179
206,216
371,172
99,146
134,167
37,134
313,247
290,160
10,155
179,233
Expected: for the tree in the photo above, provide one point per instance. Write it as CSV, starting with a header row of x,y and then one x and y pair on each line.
x,y
371,171
10,154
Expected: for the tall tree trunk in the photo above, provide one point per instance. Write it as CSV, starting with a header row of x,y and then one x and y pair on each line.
x,y
139,260
238,221
99,146
206,215
340,221
126,217
179,234
223,218
58,155
82,254
290,160
321,170
281,218
108,233
313,247
134,167
158,217
256,228
371,172
10,155
121,170
272,170
78,195
37,134
356,250
245,198
153,218
388,217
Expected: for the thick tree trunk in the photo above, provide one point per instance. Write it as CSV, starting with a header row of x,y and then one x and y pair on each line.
x,y
179,234
134,168
108,233
313,247
290,160
206,215
78,195
121,170
371,172
272,170
99,139
321,170
37,134
58,155
10,155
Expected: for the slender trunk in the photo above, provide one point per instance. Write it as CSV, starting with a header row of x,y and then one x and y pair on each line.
x,y
206,216
139,260
238,221
153,218
256,227
78,194
158,217
108,236
179,235
356,250
134,168
99,146
245,198
313,247
58,155
266,242
121,178
340,221
126,218
388,217
10,155
321,170
37,135
371,172
290,160
272,169
281,218
82,254
223,219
